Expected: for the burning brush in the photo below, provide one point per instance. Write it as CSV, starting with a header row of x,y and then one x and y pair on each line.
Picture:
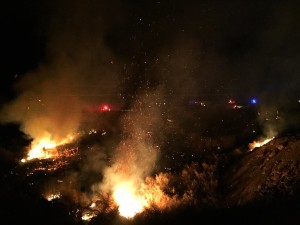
x,y
126,183
261,142
50,155
45,148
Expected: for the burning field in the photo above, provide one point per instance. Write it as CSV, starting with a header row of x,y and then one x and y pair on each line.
x,y
103,171
154,112
141,170
156,160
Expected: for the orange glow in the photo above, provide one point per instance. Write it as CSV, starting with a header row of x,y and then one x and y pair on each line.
x,y
128,201
45,148
257,144
134,196
51,197
87,216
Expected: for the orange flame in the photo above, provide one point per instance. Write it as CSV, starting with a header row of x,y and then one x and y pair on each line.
x,y
257,144
51,197
87,216
45,148
128,200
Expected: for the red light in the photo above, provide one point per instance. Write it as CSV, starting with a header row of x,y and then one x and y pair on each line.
x,y
105,108
231,101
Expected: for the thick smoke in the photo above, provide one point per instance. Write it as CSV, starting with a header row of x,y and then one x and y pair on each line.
x,y
276,63
136,155
45,108
78,70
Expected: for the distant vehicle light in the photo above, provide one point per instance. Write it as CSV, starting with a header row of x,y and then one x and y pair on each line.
x,y
231,101
237,106
253,101
105,108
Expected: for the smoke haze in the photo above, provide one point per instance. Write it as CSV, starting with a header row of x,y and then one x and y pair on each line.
x,y
148,55
78,64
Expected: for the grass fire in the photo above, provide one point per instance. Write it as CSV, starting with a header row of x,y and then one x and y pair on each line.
x,y
149,112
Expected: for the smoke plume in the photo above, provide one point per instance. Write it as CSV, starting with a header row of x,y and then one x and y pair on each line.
x,y
135,156
79,69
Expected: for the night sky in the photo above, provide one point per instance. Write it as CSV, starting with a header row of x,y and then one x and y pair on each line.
x,y
241,48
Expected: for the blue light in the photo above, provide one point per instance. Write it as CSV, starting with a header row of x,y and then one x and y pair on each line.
x,y
253,101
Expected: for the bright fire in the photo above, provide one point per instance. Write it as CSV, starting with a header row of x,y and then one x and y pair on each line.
x,y
257,144
51,197
45,148
128,201
87,216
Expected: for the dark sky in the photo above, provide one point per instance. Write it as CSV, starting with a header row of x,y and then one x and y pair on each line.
x,y
192,47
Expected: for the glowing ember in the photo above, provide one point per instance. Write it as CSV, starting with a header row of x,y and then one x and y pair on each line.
x,y
87,216
257,144
51,197
128,201
93,205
